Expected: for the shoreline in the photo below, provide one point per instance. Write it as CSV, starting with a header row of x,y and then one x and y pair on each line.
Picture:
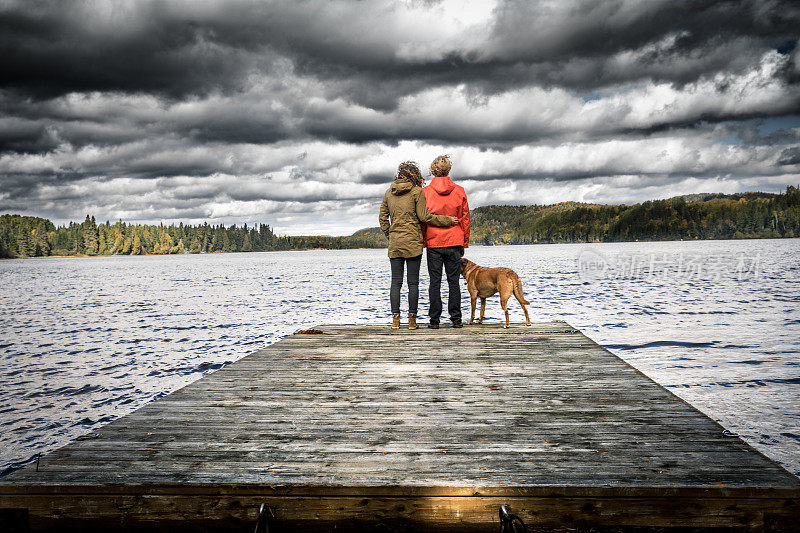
x,y
382,248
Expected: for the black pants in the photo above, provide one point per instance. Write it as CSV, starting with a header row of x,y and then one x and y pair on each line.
x,y
450,258
397,282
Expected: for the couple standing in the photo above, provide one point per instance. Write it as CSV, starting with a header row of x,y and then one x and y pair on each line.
x,y
435,217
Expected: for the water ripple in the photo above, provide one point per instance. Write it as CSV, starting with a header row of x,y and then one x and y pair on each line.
x,y
86,340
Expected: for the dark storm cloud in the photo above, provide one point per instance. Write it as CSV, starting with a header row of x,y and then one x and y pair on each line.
x,y
790,156
21,135
177,49
600,29
53,47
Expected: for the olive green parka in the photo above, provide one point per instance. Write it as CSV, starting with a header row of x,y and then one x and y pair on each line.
x,y
404,204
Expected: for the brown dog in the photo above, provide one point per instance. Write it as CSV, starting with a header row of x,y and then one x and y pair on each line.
x,y
484,282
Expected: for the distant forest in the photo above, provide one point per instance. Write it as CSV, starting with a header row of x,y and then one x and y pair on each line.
x,y
22,236
697,216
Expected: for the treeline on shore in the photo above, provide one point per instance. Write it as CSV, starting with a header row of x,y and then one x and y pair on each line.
x,y
697,216
22,236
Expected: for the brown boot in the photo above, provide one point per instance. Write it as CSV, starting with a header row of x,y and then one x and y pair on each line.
x,y
395,320
412,321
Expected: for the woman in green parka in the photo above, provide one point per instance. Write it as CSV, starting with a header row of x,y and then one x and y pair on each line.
x,y
402,211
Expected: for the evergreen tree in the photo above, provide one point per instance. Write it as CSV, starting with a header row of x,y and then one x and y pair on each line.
x,y
127,245
41,243
136,245
119,241
25,245
102,240
90,236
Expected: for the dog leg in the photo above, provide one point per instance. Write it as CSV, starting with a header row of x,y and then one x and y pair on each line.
x,y
525,309
483,310
504,305
527,318
518,294
473,300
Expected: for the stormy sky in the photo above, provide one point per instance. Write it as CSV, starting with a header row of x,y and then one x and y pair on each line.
x,y
296,114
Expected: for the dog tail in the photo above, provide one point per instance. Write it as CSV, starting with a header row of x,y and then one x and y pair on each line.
x,y
518,290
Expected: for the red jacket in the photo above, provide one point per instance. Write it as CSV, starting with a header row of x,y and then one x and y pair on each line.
x,y
444,197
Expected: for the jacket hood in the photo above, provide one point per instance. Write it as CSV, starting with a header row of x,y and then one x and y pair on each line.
x,y
401,186
443,185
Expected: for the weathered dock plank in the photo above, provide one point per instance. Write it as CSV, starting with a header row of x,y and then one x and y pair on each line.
x,y
363,426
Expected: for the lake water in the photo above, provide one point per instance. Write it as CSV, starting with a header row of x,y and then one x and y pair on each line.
x,y
86,340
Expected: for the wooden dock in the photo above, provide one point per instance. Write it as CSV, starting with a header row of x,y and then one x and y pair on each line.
x,y
362,427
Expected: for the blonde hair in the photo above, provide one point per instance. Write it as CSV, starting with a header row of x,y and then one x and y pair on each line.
x,y
441,166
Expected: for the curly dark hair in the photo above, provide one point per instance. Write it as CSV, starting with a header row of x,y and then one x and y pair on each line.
x,y
410,171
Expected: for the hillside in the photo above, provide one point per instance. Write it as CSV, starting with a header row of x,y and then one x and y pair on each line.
x,y
701,216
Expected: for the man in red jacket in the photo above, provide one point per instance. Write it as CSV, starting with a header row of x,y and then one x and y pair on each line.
x,y
445,245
